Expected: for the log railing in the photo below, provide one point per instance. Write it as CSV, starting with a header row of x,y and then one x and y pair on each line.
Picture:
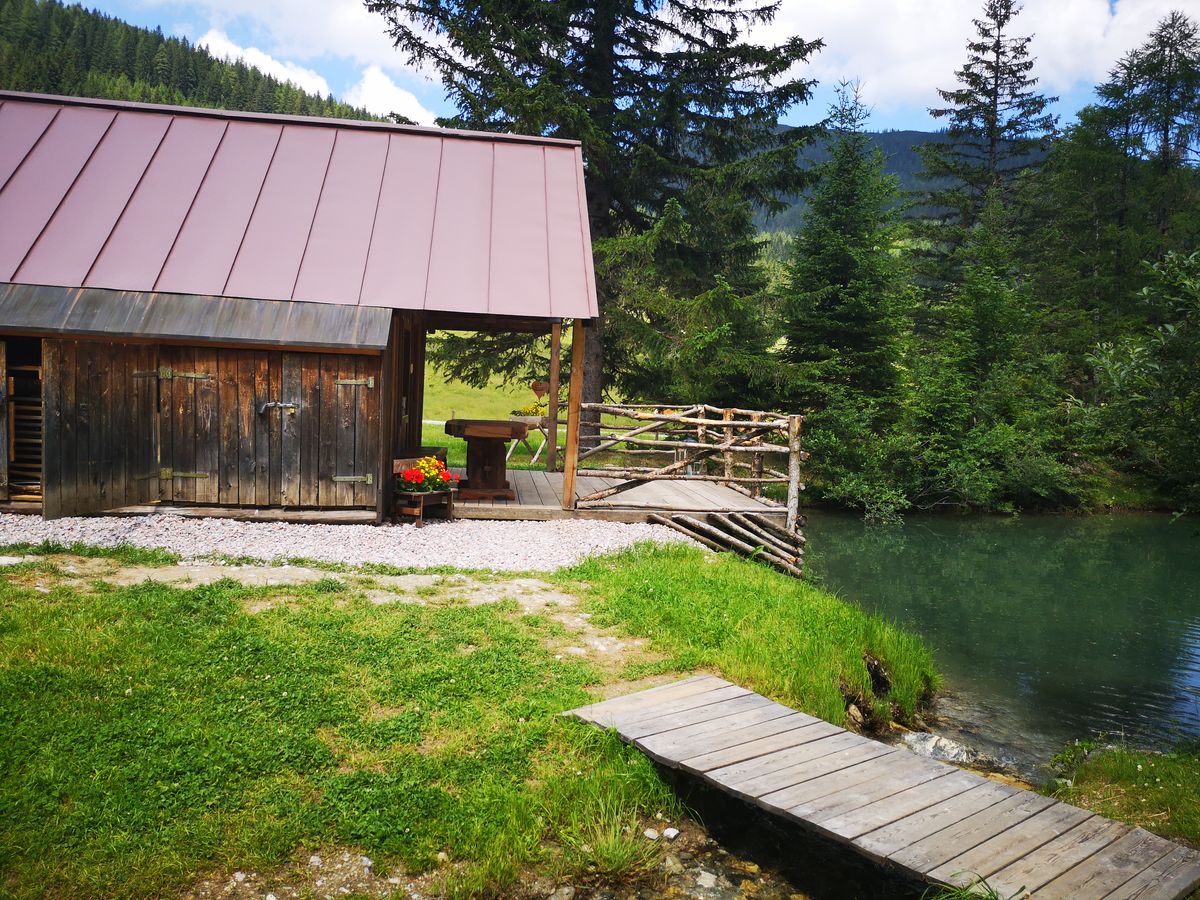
x,y
742,449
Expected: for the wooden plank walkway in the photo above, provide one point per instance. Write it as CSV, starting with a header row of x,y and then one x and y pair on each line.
x,y
929,819
539,497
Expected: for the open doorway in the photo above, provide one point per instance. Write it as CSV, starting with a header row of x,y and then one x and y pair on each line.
x,y
24,421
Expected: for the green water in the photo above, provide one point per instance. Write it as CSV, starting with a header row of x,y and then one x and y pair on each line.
x,y
1047,629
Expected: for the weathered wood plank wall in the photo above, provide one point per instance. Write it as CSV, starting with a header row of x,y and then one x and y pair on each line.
x,y
100,439
267,428
131,423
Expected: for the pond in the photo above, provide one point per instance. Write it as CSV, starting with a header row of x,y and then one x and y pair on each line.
x,y
1047,629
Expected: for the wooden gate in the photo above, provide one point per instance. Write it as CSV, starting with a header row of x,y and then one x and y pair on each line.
x,y
100,448
267,428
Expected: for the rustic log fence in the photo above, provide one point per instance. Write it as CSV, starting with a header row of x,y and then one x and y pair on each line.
x,y
741,449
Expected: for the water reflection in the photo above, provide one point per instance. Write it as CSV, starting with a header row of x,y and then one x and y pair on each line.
x,y
1046,628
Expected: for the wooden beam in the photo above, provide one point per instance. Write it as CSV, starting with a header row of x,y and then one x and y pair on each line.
x,y
574,399
552,405
794,485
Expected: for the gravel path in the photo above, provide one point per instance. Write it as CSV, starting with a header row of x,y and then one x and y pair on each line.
x,y
472,544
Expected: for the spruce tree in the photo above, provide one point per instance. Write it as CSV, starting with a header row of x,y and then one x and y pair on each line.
x,y
843,320
998,123
660,95
844,283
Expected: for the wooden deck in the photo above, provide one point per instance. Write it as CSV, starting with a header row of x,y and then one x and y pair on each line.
x,y
929,819
539,497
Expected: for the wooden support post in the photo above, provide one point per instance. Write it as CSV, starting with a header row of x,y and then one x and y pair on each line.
x,y
756,461
574,399
552,406
793,497
727,415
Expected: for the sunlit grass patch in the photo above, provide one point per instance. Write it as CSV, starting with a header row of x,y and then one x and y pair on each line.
x,y
786,639
1158,791
151,734
126,554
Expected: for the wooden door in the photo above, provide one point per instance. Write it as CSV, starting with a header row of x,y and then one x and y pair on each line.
x,y
329,430
100,448
269,429
189,424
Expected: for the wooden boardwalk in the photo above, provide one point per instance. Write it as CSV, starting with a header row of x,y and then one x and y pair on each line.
x,y
929,819
539,496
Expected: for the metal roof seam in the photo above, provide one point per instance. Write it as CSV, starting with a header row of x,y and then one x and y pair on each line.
x,y
66,194
128,200
29,152
491,220
191,204
316,210
250,218
546,232
585,238
374,219
437,189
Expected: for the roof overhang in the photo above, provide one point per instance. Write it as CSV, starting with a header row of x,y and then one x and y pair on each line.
x,y
184,318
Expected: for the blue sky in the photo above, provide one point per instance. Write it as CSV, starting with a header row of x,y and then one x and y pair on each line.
x,y
900,50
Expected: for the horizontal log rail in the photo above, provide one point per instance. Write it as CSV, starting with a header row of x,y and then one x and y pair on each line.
x,y
693,442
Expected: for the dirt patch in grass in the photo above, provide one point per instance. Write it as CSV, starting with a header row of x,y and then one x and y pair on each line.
x,y
329,872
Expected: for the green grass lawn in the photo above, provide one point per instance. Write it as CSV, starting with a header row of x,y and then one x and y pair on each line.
x,y
444,399
1158,791
782,637
151,735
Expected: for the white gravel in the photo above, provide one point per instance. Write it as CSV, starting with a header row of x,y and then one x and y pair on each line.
x,y
472,544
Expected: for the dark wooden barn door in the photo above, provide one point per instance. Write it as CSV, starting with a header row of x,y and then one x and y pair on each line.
x,y
269,429
100,448
330,434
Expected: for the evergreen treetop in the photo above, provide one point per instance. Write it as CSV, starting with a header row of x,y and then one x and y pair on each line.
x,y
998,123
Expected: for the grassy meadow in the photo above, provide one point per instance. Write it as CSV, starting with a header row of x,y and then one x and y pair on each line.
x,y
154,734
446,399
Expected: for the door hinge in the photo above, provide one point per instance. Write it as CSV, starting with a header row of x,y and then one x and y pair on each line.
x,y
360,382
167,373
168,474
365,479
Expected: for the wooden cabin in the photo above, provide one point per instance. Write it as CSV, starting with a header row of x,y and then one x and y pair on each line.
x,y
229,310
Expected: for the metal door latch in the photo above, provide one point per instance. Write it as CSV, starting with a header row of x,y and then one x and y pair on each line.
x,y
276,404
168,474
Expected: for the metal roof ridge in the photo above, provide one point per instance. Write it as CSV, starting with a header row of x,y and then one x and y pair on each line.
x,y
279,118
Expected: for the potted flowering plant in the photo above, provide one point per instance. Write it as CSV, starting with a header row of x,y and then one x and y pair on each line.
x,y
426,475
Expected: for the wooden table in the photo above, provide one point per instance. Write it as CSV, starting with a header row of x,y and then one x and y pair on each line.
x,y
486,464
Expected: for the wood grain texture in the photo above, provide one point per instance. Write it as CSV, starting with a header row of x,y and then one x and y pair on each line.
x,y
936,822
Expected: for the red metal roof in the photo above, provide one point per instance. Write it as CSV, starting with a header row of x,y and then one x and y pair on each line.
x,y
136,197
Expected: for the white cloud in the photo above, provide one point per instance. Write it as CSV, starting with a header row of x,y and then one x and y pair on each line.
x,y
380,95
904,50
304,30
219,44
901,50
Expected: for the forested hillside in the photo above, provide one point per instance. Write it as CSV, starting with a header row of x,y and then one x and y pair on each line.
x,y
901,158
53,48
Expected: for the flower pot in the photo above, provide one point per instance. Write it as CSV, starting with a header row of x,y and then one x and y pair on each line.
x,y
416,504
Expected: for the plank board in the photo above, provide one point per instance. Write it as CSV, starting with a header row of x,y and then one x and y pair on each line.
x,y
936,822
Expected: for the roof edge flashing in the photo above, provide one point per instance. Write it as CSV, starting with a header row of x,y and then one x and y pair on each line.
x,y
279,118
